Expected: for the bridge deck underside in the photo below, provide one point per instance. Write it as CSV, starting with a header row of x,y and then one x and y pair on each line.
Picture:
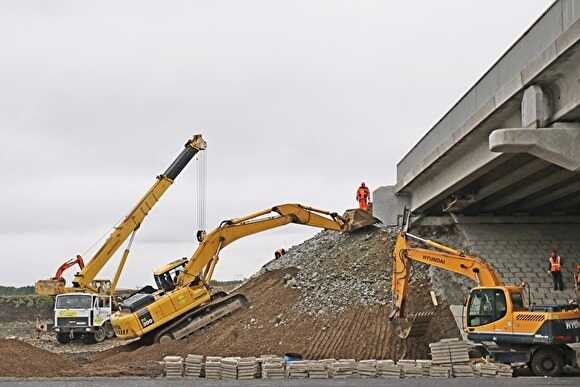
x,y
520,184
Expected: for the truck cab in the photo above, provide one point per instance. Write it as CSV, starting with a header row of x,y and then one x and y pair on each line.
x,y
82,315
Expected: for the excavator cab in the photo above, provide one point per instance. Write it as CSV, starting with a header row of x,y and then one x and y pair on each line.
x,y
166,276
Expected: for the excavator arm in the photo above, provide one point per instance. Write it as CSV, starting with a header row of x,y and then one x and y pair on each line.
x,y
185,305
206,256
439,256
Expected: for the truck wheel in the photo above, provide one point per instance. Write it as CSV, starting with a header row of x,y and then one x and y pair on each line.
x,y
547,362
63,338
100,335
109,331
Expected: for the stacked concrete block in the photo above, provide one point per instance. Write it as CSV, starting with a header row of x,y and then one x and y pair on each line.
x,y
440,371
493,370
213,367
367,368
449,351
425,366
462,370
173,366
317,370
297,370
247,368
342,369
229,368
388,369
272,367
504,371
193,366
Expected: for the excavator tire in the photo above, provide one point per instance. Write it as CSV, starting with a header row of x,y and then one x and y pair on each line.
x,y
221,306
547,362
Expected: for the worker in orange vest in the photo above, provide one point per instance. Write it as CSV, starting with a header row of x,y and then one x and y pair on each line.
x,y
555,268
363,195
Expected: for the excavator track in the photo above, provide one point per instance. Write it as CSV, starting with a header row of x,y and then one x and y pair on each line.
x,y
221,306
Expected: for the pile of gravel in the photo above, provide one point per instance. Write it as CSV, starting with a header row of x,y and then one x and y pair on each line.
x,y
341,270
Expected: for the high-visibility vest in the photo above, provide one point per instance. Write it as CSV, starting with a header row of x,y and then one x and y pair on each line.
x,y
362,193
555,264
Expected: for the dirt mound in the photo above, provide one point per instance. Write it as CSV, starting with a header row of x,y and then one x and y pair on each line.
x,y
320,300
326,298
19,359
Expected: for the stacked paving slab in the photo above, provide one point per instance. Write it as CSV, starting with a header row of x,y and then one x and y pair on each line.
x,y
213,367
272,367
173,367
449,359
193,366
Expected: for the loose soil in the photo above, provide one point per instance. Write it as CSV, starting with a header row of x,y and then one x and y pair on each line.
x,y
19,359
274,325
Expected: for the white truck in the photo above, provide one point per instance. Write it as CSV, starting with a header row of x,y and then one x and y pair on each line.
x,y
83,315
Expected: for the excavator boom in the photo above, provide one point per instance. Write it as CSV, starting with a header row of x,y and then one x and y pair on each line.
x,y
440,256
185,305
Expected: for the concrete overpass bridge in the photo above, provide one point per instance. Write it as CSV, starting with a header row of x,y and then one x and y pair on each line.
x,y
504,163
511,145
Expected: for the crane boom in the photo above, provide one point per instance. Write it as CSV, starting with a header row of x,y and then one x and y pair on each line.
x,y
133,220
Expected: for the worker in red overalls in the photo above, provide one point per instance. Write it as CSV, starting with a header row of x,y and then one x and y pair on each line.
x,y
555,268
363,196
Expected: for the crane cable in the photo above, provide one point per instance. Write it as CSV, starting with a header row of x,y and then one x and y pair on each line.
x,y
201,194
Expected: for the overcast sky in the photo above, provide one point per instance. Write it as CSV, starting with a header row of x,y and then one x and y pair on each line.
x,y
299,101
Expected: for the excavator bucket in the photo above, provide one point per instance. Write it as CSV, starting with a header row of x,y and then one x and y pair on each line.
x,y
414,325
357,218
49,287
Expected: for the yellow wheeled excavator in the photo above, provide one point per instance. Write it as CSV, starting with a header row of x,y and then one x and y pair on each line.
x,y
184,301
495,316
84,308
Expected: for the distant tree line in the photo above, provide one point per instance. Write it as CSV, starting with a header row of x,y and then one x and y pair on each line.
x,y
13,291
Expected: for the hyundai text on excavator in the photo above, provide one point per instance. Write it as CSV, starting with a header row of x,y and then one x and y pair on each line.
x,y
184,301
84,309
495,316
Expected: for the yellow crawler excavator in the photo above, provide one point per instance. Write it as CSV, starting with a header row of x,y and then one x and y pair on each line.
x,y
495,315
84,309
184,301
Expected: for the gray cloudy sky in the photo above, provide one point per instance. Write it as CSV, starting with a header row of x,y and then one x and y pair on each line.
x,y
299,102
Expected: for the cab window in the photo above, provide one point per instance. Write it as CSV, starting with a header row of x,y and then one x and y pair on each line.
x,y
517,300
486,306
104,302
